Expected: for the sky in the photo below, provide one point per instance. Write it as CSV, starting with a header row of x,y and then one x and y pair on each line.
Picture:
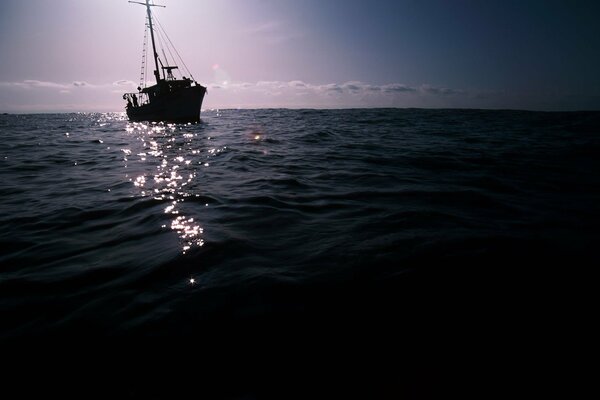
x,y
82,55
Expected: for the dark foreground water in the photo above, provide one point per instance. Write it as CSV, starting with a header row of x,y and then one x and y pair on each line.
x,y
426,229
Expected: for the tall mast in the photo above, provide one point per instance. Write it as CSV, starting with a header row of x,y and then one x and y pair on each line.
x,y
148,5
156,73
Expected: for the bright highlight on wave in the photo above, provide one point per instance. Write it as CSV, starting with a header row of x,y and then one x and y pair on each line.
x,y
166,165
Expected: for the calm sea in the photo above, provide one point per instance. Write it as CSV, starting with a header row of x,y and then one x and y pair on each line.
x,y
411,223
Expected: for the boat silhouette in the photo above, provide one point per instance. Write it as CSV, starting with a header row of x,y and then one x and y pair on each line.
x,y
170,99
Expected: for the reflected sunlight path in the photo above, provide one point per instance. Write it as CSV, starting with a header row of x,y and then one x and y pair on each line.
x,y
172,157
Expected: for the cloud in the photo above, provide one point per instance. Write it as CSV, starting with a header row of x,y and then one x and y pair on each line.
x,y
124,82
440,90
347,88
33,95
30,84
353,86
33,84
298,94
297,84
265,86
331,87
396,88
107,96
270,84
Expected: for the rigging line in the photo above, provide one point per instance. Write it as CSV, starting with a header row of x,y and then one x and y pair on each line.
x,y
144,67
159,33
146,54
175,48
160,44
162,32
162,49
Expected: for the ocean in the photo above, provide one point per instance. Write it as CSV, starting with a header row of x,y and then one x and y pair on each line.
x,y
415,226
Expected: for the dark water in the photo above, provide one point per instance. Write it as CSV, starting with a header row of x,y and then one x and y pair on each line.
x,y
416,226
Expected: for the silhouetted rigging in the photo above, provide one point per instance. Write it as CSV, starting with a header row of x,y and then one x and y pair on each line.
x,y
170,99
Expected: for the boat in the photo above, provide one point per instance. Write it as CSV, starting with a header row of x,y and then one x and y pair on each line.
x,y
170,99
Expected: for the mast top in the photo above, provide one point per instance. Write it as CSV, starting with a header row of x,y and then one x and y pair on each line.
x,y
147,3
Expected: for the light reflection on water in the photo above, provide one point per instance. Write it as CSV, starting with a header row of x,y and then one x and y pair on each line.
x,y
170,159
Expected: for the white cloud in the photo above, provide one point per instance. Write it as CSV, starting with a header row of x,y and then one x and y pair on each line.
x,y
124,82
331,87
273,84
81,84
397,88
31,95
439,90
33,84
353,86
297,93
60,86
298,84
287,94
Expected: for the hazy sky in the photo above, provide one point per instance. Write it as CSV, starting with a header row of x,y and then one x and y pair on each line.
x,y
81,55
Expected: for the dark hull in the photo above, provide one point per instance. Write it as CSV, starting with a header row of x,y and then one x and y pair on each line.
x,y
181,106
